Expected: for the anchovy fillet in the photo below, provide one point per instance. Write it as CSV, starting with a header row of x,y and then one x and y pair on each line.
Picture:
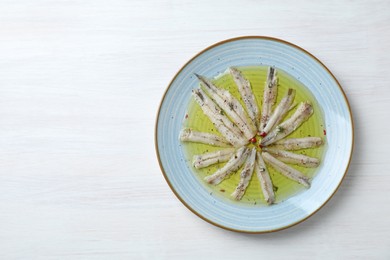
x,y
303,112
264,179
204,100
269,96
232,165
207,159
244,87
280,111
293,158
188,135
286,170
230,105
228,129
293,144
245,176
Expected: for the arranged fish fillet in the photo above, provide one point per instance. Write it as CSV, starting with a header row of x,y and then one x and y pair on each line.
x,y
205,101
245,176
244,87
188,135
232,165
230,105
303,112
207,159
298,143
264,179
269,96
280,111
227,128
286,170
293,158
238,125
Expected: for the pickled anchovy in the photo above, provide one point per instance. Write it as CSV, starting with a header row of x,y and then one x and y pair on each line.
x,y
244,87
298,143
286,170
230,105
232,165
207,159
293,158
269,97
264,179
245,176
188,135
303,112
280,111
219,120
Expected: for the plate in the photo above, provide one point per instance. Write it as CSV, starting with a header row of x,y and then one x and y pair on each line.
x,y
248,51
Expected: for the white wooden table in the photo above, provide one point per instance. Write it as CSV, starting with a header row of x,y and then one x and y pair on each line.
x,y
80,84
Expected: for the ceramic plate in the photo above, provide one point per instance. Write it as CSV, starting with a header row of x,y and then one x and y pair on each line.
x,y
248,51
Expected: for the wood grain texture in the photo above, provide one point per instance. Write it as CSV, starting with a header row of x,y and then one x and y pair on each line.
x,y
80,85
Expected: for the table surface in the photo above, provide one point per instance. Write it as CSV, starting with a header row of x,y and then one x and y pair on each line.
x,y
80,85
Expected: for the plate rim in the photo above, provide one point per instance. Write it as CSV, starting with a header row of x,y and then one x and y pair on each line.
x,y
238,39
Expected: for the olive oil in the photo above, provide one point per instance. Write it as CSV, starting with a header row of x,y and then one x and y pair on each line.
x,y
283,187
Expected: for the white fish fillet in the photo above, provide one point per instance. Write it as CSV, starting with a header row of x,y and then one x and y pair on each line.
x,y
304,111
221,122
207,159
245,176
280,111
232,165
244,87
293,158
298,143
188,135
269,96
286,170
230,105
217,112
264,179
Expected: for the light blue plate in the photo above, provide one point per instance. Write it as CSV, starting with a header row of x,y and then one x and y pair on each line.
x,y
246,51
